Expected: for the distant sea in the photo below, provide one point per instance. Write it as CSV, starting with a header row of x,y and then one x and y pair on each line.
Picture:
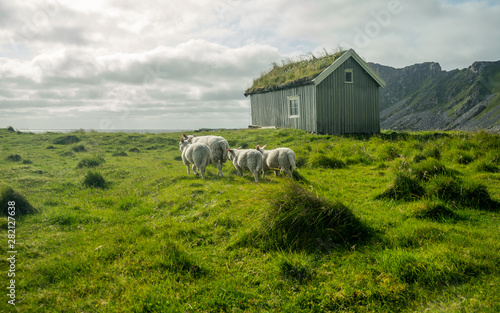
x,y
138,131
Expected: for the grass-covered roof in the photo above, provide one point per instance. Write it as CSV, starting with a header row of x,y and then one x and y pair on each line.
x,y
293,72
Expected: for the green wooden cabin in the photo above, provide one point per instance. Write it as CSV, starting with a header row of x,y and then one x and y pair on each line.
x,y
339,98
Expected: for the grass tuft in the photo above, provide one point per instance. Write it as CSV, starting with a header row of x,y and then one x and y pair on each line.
x,y
94,179
79,148
66,140
436,211
299,220
21,205
487,166
431,168
92,161
470,194
14,158
404,187
295,272
319,160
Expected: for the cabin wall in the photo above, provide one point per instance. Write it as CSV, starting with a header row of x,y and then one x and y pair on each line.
x,y
348,107
271,108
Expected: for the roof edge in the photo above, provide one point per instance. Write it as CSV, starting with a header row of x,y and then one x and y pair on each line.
x,y
350,53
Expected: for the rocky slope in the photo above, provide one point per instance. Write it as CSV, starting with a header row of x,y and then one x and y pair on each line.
x,y
424,97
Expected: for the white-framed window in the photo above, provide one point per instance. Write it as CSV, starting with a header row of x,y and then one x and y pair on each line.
x,y
293,106
349,76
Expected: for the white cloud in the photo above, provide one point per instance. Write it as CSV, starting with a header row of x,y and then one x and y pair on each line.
x,y
154,63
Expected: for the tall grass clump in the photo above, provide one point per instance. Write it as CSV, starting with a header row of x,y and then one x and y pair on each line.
x,y
92,161
13,158
94,179
66,140
299,220
486,166
435,211
79,148
320,160
470,194
405,187
11,198
431,168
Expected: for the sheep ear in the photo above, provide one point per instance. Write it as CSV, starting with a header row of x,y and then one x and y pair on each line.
x,y
238,148
185,136
264,146
182,139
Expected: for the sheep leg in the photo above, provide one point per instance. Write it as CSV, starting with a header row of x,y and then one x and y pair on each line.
x,y
187,166
240,172
194,169
219,167
202,171
256,175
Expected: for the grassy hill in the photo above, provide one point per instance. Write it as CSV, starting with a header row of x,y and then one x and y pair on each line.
x,y
400,222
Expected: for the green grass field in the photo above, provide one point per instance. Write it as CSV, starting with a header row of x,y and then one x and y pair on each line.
x,y
395,222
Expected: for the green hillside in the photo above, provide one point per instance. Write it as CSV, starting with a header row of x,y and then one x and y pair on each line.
x,y
111,222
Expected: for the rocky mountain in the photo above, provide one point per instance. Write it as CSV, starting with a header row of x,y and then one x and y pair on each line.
x,y
424,97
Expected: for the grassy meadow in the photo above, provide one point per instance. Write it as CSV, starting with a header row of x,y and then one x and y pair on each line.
x,y
111,222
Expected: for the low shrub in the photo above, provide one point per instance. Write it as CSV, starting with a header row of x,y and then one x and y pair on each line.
x,y
11,198
94,179
299,220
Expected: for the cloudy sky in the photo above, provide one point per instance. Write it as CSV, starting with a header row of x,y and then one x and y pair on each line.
x,y
185,64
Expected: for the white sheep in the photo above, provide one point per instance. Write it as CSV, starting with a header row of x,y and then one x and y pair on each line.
x,y
280,158
197,154
218,147
246,158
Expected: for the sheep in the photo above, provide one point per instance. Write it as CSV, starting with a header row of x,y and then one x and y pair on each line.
x,y
218,147
246,158
282,158
196,153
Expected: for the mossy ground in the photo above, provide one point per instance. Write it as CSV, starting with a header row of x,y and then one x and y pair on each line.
x,y
155,239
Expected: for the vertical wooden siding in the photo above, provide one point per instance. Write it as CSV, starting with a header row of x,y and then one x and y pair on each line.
x,y
271,108
348,107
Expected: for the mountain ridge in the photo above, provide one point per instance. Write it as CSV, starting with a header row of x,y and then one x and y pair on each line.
x,y
425,97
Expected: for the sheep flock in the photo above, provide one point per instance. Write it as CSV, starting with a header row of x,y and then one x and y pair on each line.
x,y
198,152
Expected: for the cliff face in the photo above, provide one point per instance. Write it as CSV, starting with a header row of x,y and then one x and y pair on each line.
x,y
424,97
